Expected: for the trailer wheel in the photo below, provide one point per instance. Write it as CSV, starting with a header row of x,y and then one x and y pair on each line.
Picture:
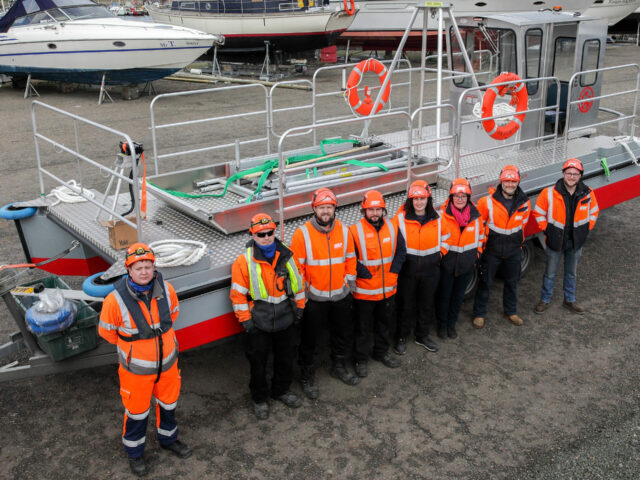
x,y
528,256
96,287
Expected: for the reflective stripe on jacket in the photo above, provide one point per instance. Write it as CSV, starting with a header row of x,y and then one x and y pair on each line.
x,y
550,214
327,260
375,251
141,356
426,243
464,246
504,233
259,288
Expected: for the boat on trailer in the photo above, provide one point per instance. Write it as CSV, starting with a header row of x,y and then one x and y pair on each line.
x,y
568,105
289,26
79,41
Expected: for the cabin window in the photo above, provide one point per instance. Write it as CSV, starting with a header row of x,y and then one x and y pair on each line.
x,y
490,50
532,54
563,58
590,61
187,5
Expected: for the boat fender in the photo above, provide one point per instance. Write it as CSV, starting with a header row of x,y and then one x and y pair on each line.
x,y
349,6
9,212
364,107
96,287
519,98
45,322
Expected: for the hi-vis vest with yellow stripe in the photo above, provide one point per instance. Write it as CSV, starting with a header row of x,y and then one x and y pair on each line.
x,y
257,288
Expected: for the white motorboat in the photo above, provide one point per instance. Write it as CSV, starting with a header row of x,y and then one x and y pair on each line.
x,y
82,42
612,10
246,24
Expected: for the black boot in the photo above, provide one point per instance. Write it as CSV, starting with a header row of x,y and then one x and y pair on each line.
x,y
308,382
138,466
339,371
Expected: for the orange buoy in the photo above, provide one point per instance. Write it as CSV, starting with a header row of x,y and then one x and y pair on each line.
x,y
519,97
349,9
364,107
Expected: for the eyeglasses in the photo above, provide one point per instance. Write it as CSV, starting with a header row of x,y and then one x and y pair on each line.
x,y
138,251
265,234
262,221
460,196
567,174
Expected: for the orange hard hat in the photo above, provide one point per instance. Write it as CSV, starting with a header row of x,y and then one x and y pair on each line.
x,y
460,185
419,183
138,251
324,196
510,173
373,199
260,222
419,192
573,163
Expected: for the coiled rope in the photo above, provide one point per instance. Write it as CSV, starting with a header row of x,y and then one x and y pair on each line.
x,y
69,195
173,253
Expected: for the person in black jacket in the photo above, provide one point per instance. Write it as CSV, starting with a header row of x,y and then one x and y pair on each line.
x,y
505,212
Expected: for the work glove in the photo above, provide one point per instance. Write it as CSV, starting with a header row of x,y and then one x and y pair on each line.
x,y
248,326
298,315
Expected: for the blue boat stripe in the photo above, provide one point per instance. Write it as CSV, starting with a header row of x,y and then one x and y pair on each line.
x,y
100,51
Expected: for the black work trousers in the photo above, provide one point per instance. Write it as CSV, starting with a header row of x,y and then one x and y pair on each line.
x,y
416,304
337,315
450,297
258,344
510,268
380,313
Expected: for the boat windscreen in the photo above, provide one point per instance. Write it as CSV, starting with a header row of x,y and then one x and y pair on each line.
x,y
31,9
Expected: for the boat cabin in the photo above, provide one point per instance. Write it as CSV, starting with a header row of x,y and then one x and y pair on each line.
x,y
38,12
245,6
537,46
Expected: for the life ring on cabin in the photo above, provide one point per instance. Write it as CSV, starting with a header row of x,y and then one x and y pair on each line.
x,y
519,98
364,107
351,10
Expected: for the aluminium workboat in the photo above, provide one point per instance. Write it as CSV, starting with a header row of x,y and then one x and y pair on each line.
x,y
246,24
80,41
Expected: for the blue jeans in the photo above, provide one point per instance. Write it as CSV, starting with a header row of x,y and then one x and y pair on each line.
x,y
571,258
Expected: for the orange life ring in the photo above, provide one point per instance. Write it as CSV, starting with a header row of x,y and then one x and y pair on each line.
x,y
351,10
364,107
519,97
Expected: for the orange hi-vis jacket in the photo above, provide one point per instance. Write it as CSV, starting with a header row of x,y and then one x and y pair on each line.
x,y
146,342
504,233
262,290
375,251
327,260
466,244
550,214
425,243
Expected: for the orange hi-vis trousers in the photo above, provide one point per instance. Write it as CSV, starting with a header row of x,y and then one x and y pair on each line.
x,y
136,392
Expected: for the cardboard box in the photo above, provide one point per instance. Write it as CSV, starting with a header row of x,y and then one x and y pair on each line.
x,y
121,235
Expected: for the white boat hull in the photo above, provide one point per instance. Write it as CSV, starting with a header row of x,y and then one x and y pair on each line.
x,y
291,31
613,10
82,51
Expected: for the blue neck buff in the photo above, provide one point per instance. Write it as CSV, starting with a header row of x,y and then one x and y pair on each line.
x,y
269,251
139,288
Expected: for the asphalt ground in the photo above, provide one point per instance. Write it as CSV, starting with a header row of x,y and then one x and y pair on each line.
x,y
556,398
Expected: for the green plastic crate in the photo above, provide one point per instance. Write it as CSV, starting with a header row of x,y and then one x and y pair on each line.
x,y
78,338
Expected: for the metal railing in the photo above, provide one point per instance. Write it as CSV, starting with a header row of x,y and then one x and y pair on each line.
x,y
266,139
45,172
619,117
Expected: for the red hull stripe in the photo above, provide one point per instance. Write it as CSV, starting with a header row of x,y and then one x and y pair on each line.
x,y
208,331
74,266
292,34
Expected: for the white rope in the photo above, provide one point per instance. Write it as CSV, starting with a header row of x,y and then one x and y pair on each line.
x,y
498,109
173,253
70,195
